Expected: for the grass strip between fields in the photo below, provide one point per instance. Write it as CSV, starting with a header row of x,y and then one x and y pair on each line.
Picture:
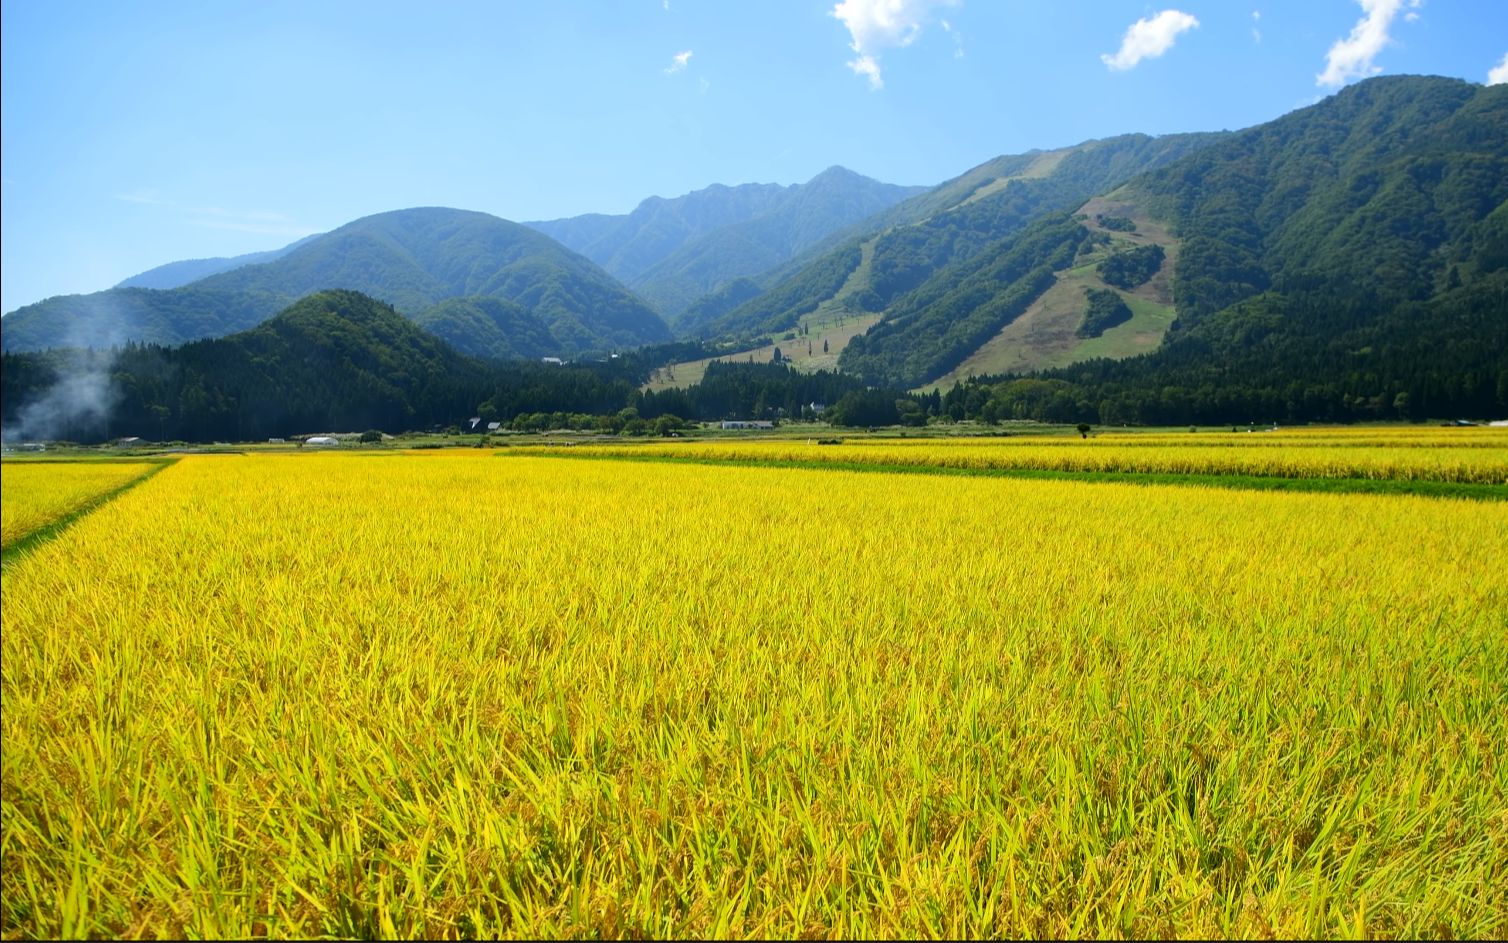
x,y
13,554
1433,489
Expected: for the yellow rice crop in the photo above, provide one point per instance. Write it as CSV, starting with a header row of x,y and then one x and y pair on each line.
x,y
1228,456
1298,436
34,494
457,695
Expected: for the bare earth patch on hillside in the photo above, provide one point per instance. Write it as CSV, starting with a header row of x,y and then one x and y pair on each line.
x,y
1045,335
1041,166
836,329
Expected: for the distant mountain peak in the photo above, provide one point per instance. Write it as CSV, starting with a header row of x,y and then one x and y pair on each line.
x,y
838,172
672,251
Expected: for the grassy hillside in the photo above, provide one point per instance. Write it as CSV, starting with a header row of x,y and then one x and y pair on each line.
x,y
1348,261
933,328
951,224
1047,333
815,344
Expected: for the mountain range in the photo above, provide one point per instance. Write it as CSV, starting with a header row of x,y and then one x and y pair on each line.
x,y
1392,192
672,252
1348,260
895,251
561,303
176,274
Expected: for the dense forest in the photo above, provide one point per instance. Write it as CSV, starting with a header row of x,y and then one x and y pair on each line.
x,y
1345,262
1106,310
1131,268
340,361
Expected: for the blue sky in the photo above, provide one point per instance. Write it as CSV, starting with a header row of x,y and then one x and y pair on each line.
x,y
137,134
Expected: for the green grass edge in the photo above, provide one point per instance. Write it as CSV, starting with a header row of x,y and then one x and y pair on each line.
x,y
1431,489
23,547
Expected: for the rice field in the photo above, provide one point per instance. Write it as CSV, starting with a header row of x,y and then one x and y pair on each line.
x,y
36,494
459,695
1480,459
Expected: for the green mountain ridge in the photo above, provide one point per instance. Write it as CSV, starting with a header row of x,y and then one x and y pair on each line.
x,y
413,259
628,245
339,361
950,224
1346,261
178,274
494,328
673,251
335,360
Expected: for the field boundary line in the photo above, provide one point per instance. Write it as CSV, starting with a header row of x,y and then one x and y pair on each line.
x,y
1385,486
16,552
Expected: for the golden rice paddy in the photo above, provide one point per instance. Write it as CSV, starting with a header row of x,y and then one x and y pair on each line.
x,y
459,695
1481,458
35,494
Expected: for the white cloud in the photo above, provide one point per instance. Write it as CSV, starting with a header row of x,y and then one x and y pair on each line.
x,y
667,5
678,62
260,222
1351,58
868,66
957,38
260,229
877,25
1150,38
1256,18
1499,73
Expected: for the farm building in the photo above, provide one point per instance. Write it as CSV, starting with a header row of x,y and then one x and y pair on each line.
x,y
322,441
747,424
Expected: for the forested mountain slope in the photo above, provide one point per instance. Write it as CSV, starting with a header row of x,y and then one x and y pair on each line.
x,y
175,274
1346,261
674,251
947,225
412,259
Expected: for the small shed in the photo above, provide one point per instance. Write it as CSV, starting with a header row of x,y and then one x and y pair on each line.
x,y
322,441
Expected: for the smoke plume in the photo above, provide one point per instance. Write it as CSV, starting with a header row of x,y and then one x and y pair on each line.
x,y
81,398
